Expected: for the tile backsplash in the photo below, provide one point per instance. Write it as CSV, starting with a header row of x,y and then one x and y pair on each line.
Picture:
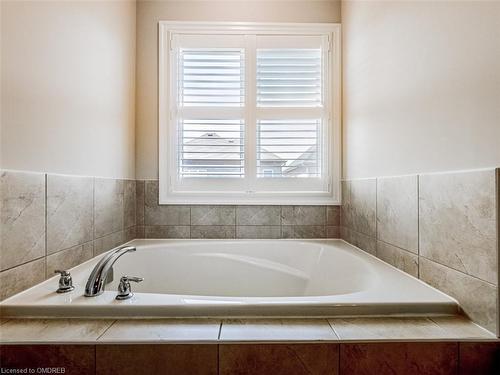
x,y
230,221
51,222
442,228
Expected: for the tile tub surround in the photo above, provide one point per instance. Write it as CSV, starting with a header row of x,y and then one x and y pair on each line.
x,y
230,221
51,222
441,227
270,346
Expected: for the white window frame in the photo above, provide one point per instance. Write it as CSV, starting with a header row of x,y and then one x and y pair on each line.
x,y
166,124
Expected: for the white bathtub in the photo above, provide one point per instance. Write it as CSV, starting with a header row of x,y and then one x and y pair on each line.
x,y
241,278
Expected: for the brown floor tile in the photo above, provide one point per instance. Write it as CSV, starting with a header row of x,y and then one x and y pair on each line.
x,y
75,359
156,359
479,358
399,358
279,359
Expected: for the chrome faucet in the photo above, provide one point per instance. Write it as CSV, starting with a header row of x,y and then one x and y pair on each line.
x,y
97,280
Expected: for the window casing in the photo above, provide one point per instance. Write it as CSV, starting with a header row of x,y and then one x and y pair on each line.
x,y
249,113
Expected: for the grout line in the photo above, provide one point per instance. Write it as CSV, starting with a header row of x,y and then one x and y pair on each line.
x,y
22,264
418,226
45,222
333,329
220,329
106,330
397,247
93,215
376,217
218,359
340,360
69,248
463,273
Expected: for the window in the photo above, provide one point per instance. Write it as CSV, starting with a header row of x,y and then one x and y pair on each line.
x,y
249,113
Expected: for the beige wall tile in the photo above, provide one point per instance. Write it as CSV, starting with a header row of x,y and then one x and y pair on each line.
x,y
167,215
303,231
258,231
69,258
406,328
103,244
139,201
333,216
108,206
303,215
53,330
167,231
17,279
332,232
459,327
22,213
397,211
362,206
345,209
258,215
129,205
364,242
140,231
155,214
457,222
276,330
213,231
476,297
162,330
399,258
213,215
70,201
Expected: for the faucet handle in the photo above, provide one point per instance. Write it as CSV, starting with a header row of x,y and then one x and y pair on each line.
x,y
124,288
131,278
65,282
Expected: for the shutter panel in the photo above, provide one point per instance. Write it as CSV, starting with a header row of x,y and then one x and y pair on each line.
x,y
211,78
288,77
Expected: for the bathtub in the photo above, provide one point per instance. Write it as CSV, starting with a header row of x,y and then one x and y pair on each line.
x,y
225,278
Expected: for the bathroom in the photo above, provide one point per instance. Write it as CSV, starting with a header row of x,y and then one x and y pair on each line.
x,y
250,187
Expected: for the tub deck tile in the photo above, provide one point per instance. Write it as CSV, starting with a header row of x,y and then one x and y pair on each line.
x,y
161,330
277,330
394,328
272,330
53,330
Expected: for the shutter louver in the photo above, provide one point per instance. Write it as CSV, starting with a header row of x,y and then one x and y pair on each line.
x,y
289,77
211,77
211,148
288,148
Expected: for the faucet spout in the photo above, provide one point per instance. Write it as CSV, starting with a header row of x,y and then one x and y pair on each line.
x,y
97,280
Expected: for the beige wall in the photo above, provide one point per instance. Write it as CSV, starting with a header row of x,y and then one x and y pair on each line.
x,y
148,15
67,85
421,86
